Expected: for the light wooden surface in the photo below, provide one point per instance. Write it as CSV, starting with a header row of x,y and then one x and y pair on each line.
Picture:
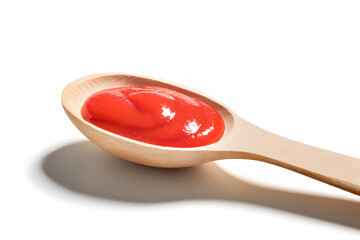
x,y
241,140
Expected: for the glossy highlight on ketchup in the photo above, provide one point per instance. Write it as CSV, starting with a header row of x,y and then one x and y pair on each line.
x,y
154,115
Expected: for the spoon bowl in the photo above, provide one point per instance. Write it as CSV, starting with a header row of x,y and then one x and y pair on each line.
x,y
241,139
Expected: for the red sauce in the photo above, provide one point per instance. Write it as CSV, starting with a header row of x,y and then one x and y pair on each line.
x,y
154,115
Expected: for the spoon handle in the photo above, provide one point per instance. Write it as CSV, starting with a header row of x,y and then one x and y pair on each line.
x,y
335,169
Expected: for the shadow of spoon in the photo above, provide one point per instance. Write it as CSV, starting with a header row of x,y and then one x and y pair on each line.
x,y
83,167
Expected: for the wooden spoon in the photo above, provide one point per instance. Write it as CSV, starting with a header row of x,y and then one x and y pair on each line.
x,y
241,139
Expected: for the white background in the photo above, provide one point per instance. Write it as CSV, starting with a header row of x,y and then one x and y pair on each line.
x,y
291,67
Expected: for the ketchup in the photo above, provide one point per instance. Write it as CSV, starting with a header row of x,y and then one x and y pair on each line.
x,y
154,115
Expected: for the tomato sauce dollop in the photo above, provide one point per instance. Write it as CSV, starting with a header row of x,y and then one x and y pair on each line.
x,y
154,115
